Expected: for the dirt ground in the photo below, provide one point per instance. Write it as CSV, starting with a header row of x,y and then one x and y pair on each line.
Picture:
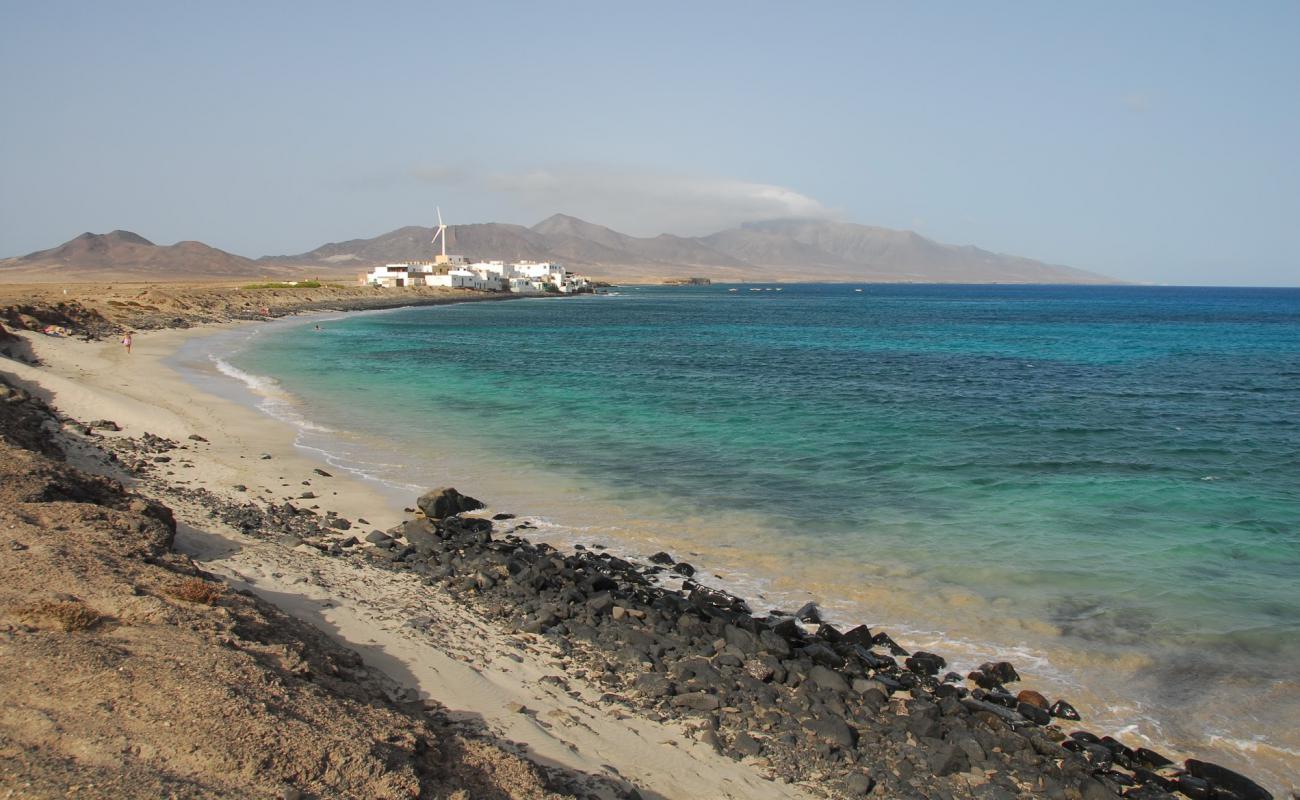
x,y
107,309
126,672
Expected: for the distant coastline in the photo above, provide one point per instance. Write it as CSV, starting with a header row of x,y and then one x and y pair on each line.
x,y
371,512
791,250
723,554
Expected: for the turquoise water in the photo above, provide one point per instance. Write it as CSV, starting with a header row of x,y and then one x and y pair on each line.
x,y
1096,477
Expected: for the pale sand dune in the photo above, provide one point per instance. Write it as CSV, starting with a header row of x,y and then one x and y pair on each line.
x,y
452,656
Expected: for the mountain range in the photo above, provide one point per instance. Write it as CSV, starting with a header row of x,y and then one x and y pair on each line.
x,y
126,256
786,249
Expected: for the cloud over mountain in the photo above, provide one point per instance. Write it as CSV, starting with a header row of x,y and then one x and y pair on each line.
x,y
773,249
644,202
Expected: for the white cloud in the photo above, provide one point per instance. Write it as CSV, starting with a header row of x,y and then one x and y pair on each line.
x,y
640,202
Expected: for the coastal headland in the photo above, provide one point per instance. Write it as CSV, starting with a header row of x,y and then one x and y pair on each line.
x,y
194,606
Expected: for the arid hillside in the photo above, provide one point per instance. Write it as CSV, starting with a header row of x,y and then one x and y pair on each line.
x,y
127,672
789,250
773,250
125,256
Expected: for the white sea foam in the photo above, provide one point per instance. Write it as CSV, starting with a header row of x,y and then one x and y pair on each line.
x,y
349,462
273,400
1252,745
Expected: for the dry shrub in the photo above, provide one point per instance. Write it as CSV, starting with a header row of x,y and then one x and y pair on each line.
x,y
70,615
195,590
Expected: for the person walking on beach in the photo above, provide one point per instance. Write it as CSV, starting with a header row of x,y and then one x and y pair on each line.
x,y
126,342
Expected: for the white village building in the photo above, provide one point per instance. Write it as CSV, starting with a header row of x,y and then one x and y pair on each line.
x,y
457,272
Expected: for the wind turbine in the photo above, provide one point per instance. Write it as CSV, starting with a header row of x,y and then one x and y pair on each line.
x,y
441,234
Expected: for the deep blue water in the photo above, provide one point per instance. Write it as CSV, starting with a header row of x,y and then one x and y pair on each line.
x,y
1122,463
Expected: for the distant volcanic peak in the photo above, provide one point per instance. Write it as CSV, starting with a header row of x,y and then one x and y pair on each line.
x,y
560,221
122,253
772,249
111,238
566,225
128,236
783,249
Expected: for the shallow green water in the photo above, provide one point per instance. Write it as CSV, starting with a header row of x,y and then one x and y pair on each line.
x,y
1117,469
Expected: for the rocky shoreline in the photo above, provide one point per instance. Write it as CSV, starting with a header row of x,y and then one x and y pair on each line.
x,y
852,712
127,671
841,712
96,312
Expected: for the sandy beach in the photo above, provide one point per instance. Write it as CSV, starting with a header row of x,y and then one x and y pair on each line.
x,y
594,672
457,659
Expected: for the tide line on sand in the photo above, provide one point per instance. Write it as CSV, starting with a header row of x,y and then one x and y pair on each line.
x,y
661,690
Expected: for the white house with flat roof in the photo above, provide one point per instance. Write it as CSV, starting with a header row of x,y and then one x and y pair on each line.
x,y
490,276
458,272
397,276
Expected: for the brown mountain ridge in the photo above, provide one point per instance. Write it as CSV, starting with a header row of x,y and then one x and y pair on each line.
x,y
126,256
774,250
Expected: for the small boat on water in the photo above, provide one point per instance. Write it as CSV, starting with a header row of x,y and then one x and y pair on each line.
x,y
857,290
733,290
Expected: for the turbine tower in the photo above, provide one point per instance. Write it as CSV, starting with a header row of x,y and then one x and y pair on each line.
x,y
441,234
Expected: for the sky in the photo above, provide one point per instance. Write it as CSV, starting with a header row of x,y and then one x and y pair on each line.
x,y
1150,141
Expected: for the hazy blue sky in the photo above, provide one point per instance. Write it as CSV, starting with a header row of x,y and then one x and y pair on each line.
x,y
1153,141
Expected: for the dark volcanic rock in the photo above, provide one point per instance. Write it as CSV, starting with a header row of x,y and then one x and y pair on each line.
x,y
859,785
923,663
983,679
1224,778
462,526
883,639
1144,757
1002,671
861,636
948,759
446,502
831,729
821,654
746,745
715,602
828,679
1033,698
809,612
828,708
697,701
1033,713
1064,710
774,643
1194,787
420,532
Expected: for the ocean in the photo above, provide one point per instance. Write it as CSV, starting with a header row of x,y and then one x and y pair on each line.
x,y
1100,484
